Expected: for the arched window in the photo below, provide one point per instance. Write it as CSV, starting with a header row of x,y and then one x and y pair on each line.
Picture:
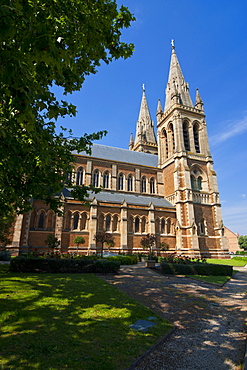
x,y
202,227
130,183
186,136
96,178
157,225
76,221
115,223
137,225
152,186
84,221
130,224
199,183
165,143
193,182
50,220
196,137
67,221
162,226
79,176
101,222
41,220
143,184
108,223
143,225
106,180
120,181
168,226
172,140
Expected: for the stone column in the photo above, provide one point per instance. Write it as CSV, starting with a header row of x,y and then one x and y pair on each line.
x,y
59,227
93,225
17,235
89,173
114,177
124,226
151,220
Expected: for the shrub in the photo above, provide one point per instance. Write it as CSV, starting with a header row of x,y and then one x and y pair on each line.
x,y
195,269
124,260
242,253
5,255
58,265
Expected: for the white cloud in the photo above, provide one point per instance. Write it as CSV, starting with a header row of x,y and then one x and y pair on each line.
x,y
232,129
243,195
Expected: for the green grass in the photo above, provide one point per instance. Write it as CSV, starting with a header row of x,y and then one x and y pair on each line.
x,y
219,280
230,262
76,321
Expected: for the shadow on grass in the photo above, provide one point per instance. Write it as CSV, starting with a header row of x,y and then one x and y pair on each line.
x,y
213,314
77,321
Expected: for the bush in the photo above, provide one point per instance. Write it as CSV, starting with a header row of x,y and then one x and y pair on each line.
x,y
57,265
240,259
124,260
195,269
242,253
5,255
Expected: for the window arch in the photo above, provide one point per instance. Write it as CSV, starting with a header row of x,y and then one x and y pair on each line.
x,y
115,223
198,179
171,138
130,224
101,222
199,183
83,221
186,136
108,223
193,182
152,185
96,178
143,184
196,137
75,221
67,221
50,220
120,183
79,176
168,225
106,180
157,225
143,224
202,227
130,183
162,226
137,225
41,222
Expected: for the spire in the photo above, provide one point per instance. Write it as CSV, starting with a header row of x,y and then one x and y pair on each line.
x,y
131,142
145,139
159,108
199,103
177,90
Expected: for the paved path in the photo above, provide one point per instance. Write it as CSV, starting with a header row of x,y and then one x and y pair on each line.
x,y
210,332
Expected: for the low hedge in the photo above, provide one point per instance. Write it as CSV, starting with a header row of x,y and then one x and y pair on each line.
x,y
57,265
124,260
196,269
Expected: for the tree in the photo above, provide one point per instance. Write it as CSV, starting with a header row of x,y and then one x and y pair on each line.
x,y
148,242
79,240
52,241
242,241
104,238
46,43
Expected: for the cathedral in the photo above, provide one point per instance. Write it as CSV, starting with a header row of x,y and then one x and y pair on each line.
x,y
164,185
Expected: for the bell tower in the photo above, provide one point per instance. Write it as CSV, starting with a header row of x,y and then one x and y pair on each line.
x,y
190,181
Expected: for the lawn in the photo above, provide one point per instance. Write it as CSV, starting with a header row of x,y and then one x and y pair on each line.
x,y
218,280
230,262
76,321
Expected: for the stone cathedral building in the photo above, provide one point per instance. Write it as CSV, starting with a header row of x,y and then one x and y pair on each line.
x,y
165,185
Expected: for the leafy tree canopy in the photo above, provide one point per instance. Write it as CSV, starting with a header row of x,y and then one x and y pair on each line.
x,y
46,43
242,241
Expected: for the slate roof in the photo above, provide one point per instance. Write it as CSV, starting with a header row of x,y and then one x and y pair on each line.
x,y
122,155
131,199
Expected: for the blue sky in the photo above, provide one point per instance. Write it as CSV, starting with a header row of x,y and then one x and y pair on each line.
x,y
210,40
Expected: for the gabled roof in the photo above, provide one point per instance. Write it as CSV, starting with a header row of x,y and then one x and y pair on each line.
x,y
122,155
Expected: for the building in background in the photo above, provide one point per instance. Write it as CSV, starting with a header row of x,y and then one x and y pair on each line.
x,y
165,186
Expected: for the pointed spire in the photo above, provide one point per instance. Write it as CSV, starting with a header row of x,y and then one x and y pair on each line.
x,y
199,103
177,90
159,108
131,142
145,135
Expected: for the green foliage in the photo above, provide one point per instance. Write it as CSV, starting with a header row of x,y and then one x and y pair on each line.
x,y
124,260
164,246
195,269
47,43
52,241
59,265
148,242
103,237
174,258
241,259
5,255
242,241
242,253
